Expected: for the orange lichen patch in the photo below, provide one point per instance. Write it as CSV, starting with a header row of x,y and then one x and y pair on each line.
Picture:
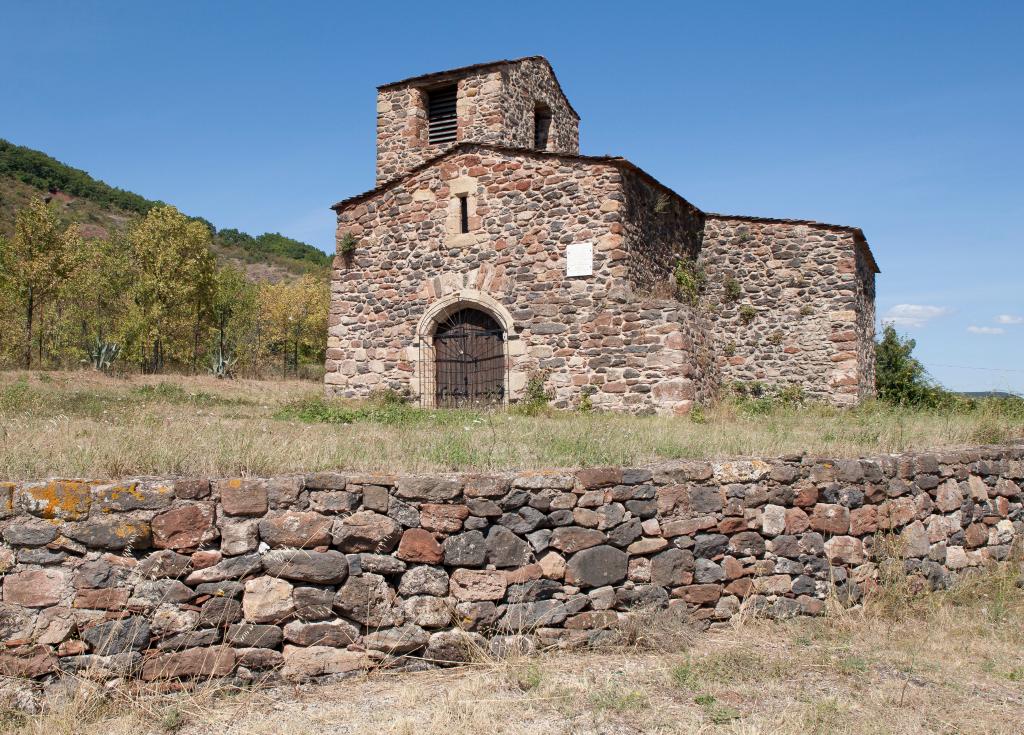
x,y
132,496
117,493
67,500
7,496
234,483
131,529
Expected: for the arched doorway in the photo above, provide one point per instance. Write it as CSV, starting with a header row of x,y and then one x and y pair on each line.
x,y
469,360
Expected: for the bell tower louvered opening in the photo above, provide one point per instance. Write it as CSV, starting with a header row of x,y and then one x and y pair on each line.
x,y
442,122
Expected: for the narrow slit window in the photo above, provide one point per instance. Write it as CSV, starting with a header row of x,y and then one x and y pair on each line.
x,y
442,122
463,214
541,126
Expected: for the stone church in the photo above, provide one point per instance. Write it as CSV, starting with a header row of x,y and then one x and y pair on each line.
x,y
492,256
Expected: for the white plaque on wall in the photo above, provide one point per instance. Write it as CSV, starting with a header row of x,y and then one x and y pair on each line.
x,y
579,259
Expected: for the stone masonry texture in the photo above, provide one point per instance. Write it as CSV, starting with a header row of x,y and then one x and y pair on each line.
x,y
784,302
294,578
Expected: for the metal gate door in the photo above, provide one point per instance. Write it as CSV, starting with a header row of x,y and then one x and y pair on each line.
x,y
469,352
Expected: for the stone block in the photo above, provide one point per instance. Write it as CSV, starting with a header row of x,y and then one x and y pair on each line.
x,y
431,489
66,500
190,664
471,585
268,600
121,497
367,531
596,567
241,497
36,587
830,518
369,601
336,633
295,529
184,527
313,567
419,546
570,539
301,663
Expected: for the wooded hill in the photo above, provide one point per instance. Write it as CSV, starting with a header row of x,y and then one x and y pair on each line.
x,y
100,210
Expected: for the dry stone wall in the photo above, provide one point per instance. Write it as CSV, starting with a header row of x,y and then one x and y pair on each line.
x,y
324,575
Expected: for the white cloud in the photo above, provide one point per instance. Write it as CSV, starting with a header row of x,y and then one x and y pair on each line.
x,y
985,330
1009,319
913,315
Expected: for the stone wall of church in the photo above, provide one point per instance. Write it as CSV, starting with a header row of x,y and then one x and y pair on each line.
x,y
660,230
792,304
865,324
583,335
494,105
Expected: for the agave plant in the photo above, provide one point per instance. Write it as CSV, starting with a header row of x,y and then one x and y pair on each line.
x,y
103,354
221,364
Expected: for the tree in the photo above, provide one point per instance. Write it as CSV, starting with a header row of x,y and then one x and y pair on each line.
x,y
95,306
295,317
36,263
900,378
234,312
173,286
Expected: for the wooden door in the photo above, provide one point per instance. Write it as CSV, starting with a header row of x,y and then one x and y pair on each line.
x,y
469,353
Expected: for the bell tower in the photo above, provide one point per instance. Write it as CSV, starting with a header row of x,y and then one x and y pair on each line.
x,y
516,104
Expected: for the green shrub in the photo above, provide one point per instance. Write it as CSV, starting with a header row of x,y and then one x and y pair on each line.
x,y
732,290
690,280
536,396
747,314
900,378
790,395
586,403
347,244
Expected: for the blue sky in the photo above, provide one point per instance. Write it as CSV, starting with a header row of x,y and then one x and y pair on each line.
x,y
905,119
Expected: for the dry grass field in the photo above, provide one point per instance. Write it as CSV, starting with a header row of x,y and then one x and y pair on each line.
x,y
949,662
87,424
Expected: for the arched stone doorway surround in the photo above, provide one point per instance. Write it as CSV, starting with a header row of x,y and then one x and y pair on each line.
x,y
423,357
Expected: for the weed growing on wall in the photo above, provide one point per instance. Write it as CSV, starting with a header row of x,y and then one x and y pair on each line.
x,y
586,403
690,280
732,290
347,244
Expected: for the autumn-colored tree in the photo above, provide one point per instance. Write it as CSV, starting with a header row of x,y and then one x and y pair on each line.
x,y
295,317
35,264
235,316
94,307
155,292
173,286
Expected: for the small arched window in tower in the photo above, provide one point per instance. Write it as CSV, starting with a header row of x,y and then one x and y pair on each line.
x,y
541,126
